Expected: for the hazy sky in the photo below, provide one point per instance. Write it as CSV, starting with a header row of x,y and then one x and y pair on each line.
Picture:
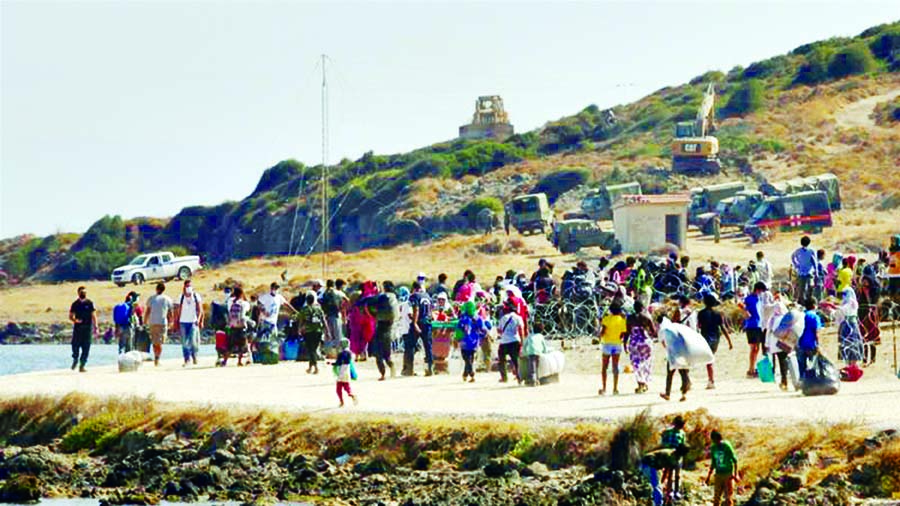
x,y
140,108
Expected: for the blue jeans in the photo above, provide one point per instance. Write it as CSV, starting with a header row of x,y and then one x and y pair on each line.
x,y
803,357
190,340
126,337
805,286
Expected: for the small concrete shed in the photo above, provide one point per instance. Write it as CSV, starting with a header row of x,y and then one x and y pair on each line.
x,y
645,223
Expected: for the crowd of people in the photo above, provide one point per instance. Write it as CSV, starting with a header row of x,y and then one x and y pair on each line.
x,y
627,300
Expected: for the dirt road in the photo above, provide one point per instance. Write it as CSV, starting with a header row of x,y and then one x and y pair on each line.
x,y
285,386
858,114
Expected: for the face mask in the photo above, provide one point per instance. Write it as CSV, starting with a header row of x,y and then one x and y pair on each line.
x,y
189,290
274,293
82,296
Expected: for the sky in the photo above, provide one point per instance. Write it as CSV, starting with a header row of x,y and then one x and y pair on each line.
x,y
140,108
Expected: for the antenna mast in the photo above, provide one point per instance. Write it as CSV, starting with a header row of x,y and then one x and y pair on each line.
x,y
325,217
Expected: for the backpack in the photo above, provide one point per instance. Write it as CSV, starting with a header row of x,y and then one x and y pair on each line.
x,y
313,320
330,302
385,308
423,301
122,314
236,315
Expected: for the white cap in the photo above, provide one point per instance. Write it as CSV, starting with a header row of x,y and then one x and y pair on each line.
x,y
421,276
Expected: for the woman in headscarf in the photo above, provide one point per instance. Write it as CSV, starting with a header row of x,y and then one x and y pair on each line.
x,y
850,348
869,293
638,342
831,274
361,322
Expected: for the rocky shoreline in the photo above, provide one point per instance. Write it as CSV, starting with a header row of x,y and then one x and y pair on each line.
x,y
119,452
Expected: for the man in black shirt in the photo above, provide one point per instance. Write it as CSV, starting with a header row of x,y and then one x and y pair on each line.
x,y
712,326
84,317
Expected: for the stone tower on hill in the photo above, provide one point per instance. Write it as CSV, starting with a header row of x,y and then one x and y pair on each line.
x,y
489,121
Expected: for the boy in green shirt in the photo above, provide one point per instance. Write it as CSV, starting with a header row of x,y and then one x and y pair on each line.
x,y
724,463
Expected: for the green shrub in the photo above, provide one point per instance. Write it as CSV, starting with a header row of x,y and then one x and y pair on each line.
x,y
470,211
854,59
282,172
745,100
886,45
556,183
87,434
767,68
430,166
815,70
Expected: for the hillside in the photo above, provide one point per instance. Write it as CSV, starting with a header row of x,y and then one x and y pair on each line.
x,y
826,106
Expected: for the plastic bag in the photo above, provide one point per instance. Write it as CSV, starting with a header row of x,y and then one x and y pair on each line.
x,y
550,364
789,330
822,378
685,347
794,371
353,374
130,362
765,370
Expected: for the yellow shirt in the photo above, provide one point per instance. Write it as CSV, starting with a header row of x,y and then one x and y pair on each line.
x,y
844,279
614,326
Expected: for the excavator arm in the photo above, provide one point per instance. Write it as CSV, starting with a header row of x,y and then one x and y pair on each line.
x,y
705,123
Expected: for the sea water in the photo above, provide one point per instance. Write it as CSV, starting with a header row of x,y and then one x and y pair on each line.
x,y
20,358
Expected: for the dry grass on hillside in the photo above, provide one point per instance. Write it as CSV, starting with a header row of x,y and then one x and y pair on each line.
x,y
854,231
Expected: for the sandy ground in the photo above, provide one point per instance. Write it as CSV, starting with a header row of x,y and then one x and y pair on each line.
x,y
286,386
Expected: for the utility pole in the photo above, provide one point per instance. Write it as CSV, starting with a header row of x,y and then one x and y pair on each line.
x,y
325,217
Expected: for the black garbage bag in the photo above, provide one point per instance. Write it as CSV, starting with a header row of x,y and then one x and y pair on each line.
x,y
822,377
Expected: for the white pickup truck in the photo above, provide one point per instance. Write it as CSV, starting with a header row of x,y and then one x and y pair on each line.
x,y
160,265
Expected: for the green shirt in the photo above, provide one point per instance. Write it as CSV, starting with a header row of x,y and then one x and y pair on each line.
x,y
724,461
673,438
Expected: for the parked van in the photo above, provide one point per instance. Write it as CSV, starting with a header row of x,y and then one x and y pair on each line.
x,y
807,211
530,214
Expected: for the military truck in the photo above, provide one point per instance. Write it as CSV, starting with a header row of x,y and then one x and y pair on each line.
x,y
807,211
569,236
732,211
530,214
827,183
597,205
704,199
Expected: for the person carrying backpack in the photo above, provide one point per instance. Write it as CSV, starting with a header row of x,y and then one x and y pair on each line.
x,y
312,323
421,329
123,317
333,301
384,307
189,316
238,323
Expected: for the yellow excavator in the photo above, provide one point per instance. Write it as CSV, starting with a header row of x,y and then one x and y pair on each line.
x,y
694,150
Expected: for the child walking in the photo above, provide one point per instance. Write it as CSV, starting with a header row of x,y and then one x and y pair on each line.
x,y
724,463
343,371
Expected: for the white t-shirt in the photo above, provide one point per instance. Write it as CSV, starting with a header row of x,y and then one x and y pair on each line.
x,y
764,268
509,328
271,305
191,305
404,319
